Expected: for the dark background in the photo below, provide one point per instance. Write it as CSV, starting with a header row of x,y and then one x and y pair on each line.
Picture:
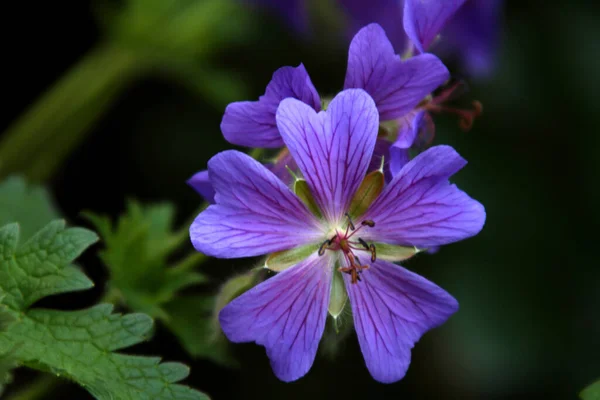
x,y
528,326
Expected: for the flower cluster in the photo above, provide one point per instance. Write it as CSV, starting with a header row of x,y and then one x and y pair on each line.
x,y
341,203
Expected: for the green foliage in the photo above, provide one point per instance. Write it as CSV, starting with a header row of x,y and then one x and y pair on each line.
x,y
137,253
591,392
78,345
29,205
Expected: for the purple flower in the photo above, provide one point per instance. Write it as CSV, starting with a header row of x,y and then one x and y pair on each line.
x,y
397,87
326,239
468,28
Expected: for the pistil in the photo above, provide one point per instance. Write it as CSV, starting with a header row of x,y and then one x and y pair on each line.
x,y
341,242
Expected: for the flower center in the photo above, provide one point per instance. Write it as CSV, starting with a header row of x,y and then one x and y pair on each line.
x,y
466,116
347,242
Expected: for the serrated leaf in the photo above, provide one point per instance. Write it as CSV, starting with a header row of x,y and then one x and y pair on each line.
x,y
31,206
42,266
78,345
137,252
591,392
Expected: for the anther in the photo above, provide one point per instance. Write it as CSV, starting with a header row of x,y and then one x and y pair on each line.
x,y
363,243
373,252
368,223
323,247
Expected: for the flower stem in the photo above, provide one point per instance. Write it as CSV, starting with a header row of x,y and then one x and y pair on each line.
x,y
38,389
39,140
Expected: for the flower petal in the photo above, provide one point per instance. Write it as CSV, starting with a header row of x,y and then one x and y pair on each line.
x,y
201,184
255,213
396,86
421,208
286,314
333,148
392,309
424,19
252,123
409,127
474,33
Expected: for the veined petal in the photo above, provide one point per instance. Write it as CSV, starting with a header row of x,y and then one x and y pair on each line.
x,y
421,208
286,314
255,212
252,123
201,184
396,86
409,127
392,309
333,148
424,19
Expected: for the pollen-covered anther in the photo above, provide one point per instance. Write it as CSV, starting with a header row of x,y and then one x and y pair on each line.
x,y
373,252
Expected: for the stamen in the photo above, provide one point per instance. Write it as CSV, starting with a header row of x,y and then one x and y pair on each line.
x,y
363,243
323,247
342,242
350,224
373,252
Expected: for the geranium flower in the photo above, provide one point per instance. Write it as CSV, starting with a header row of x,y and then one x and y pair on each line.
x,y
336,235
397,86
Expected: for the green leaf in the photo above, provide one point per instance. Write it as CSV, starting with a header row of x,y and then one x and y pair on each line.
x,y
367,192
8,362
78,345
591,392
137,253
31,206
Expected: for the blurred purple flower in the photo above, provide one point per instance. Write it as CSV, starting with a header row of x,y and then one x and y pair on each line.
x,y
256,214
468,28
396,85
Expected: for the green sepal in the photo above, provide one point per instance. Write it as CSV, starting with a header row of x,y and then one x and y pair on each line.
x,y
391,252
234,287
338,296
282,260
389,130
303,192
368,191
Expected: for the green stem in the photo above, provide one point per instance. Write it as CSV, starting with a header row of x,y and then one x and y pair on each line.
x,y
38,389
37,143
189,262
